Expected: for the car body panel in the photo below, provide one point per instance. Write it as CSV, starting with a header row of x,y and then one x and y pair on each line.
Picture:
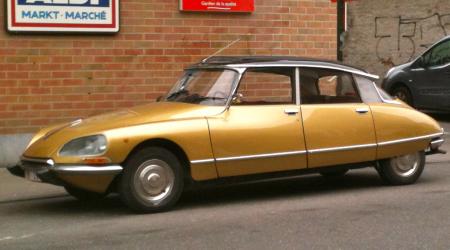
x,y
253,133
335,127
398,122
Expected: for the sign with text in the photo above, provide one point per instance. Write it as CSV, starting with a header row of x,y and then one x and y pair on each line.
x,y
218,5
63,15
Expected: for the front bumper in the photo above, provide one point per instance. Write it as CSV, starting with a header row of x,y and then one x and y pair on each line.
x,y
94,178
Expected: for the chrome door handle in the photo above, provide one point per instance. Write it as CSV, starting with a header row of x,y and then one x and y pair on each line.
x,y
362,110
291,111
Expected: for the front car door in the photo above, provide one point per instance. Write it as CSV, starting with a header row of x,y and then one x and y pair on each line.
x,y
338,126
432,79
262,130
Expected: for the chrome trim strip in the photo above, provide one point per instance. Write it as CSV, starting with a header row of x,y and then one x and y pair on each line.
x,y
417,138
384,100
302,65
87,170
202,161
246,157
297,86
321,150
38,160
343,148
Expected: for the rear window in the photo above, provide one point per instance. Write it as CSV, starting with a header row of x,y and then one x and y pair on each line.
x,y
367,89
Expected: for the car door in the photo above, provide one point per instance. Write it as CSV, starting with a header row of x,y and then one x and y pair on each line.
x,y
338,126
262,130
432,78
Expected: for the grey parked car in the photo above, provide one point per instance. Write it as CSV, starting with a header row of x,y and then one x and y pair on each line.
x,y
423,83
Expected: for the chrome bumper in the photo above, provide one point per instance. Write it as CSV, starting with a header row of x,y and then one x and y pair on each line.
x,y
433,148
47,171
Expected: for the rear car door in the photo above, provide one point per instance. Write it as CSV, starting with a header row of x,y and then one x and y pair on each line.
x,y
338,126
262,130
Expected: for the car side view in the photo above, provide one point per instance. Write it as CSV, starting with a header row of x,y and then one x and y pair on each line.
x,y
423,83
230,117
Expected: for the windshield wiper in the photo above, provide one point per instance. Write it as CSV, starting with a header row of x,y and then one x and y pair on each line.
x,y
177,93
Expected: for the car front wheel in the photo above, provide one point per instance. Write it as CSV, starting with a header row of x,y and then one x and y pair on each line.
x,y
402,170
152,180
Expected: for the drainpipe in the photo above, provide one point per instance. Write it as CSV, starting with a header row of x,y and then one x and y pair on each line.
x,y
340,27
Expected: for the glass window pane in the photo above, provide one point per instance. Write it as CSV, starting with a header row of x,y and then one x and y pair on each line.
x,y
265,86
320,86
206,87
367,90
440,55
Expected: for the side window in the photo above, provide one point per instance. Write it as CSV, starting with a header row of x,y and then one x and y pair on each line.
x,y
439,55
322,86
367,89
266,86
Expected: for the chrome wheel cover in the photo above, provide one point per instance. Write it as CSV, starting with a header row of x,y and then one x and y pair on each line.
x,y
406,165
154,181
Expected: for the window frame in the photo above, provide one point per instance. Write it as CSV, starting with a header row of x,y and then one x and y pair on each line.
x,y
352,77
295,91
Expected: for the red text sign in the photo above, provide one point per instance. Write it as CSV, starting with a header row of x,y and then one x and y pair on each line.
x,y
218,5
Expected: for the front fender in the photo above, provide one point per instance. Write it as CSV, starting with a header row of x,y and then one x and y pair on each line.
x,y
192,135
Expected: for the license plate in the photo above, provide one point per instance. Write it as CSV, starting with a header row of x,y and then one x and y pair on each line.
x,y
32,176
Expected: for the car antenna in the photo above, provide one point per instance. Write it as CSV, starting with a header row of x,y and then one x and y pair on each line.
x,y
220,50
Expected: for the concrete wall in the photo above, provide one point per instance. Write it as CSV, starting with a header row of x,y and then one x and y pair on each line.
x,y
385,33
11,147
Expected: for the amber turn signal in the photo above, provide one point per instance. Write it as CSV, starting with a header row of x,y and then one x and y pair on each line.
x,y
97,160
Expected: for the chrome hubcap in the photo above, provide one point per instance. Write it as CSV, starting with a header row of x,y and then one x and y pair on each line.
x,y
406,165
154,181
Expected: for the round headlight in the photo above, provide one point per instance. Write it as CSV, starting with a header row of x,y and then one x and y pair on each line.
x,y
85,146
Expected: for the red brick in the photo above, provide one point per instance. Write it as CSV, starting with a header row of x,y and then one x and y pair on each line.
x,y
49,79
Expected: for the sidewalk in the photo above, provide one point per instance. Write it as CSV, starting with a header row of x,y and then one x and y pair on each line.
x,y
15,188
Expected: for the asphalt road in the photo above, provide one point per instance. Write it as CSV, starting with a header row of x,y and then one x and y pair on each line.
x,y
352,212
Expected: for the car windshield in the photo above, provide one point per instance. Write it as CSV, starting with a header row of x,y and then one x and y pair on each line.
x,y
203,86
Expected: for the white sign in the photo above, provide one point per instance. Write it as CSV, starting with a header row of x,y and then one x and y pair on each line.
x,y
63,15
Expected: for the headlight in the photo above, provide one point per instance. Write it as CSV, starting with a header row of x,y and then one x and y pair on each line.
x,y
85,146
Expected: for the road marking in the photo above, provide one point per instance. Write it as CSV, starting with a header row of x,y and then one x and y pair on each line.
x,y
16,238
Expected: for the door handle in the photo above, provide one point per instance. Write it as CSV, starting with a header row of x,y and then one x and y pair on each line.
x,y
362,110
291,111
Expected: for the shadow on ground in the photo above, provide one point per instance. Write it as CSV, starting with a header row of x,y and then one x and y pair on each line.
x,y
304,186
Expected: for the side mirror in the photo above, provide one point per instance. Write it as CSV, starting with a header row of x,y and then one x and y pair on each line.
x,y
159,98
420,63
237,98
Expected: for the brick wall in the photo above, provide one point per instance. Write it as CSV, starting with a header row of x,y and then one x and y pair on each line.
x,y
46,79
385,33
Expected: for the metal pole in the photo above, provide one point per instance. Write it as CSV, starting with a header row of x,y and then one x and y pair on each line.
x,y
340,27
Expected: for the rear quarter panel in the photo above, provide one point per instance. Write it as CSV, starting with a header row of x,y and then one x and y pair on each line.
x,y
395,122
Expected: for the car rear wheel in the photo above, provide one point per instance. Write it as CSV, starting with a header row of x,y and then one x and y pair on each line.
x,y
334,172
83,195
402,93
152,180
402,170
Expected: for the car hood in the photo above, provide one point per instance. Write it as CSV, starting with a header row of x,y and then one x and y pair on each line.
x,y
46,144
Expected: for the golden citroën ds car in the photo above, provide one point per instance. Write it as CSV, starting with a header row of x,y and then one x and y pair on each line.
x,y
236,116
